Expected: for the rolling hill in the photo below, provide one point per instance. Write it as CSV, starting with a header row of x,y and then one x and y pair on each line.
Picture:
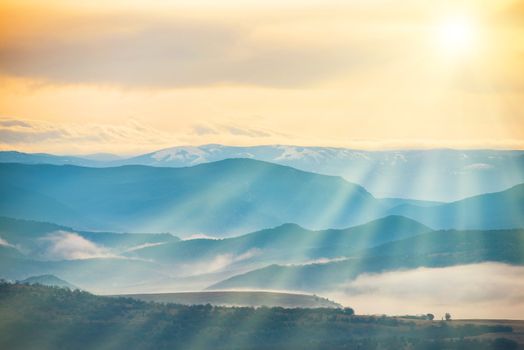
x,y
454,174
45,158
500,210
28,235
222,198
286,243
239,298
147,262
225,198
434,249
48,280
81,320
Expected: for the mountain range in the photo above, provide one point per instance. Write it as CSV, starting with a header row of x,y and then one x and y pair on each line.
x,y
229,197
97,260
226,198
285,243
286,257
433,175
433,249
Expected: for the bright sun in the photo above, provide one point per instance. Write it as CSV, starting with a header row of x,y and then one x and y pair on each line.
x,y
456,35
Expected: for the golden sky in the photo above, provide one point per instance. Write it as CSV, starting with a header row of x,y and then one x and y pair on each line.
x,y
134,76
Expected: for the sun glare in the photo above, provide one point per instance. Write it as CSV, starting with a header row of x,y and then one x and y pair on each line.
x,y
456,35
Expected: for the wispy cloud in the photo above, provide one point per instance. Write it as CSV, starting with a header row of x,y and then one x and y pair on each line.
x,y
62,245
159,53
20,132
218,263
4,243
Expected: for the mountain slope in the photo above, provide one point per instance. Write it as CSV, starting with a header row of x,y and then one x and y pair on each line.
x,y
239,298
30,236
438,175
500,210
45,158
434,249
286,243
226,197
48,280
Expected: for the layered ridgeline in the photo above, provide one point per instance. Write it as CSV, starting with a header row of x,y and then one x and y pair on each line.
x,y
32,237
441,174
434,249
286,243
84,321
88,259
323,259
93,261
229,197
488,211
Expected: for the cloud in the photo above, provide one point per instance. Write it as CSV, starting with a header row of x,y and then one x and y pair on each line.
x,y
159,53
4,243
13,122
247,132
203,130
30,132
218,263
234,130
198,236
488,290
145,245
62,245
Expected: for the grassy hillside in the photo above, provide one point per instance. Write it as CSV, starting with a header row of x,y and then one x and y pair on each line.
x,y
434,249
38,317
239,298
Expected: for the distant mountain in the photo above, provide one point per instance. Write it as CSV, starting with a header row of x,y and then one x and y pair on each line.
x,y
223,198
45,158
286,243
102,158
500,210
434,249
435,175
439,175
112,274
29,236
149,262
48,280
239,298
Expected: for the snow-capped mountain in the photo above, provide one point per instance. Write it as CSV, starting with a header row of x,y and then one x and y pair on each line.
x,y
441,174
438,174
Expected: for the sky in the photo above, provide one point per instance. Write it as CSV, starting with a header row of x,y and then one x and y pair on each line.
x,y
133,76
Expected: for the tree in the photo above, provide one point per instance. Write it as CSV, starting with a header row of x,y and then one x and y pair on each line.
x,y
430,317
448,316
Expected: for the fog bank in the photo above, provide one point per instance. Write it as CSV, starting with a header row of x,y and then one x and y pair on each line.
x,y
487,290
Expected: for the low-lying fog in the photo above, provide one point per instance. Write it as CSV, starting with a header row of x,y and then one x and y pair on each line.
x,y
487,290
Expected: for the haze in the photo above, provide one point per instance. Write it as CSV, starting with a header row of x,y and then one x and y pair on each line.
x,y
134,76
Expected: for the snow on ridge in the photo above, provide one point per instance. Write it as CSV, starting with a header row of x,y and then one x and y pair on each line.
x,y
184,153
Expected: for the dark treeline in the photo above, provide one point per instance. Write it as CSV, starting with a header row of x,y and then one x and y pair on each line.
x,y
39,317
